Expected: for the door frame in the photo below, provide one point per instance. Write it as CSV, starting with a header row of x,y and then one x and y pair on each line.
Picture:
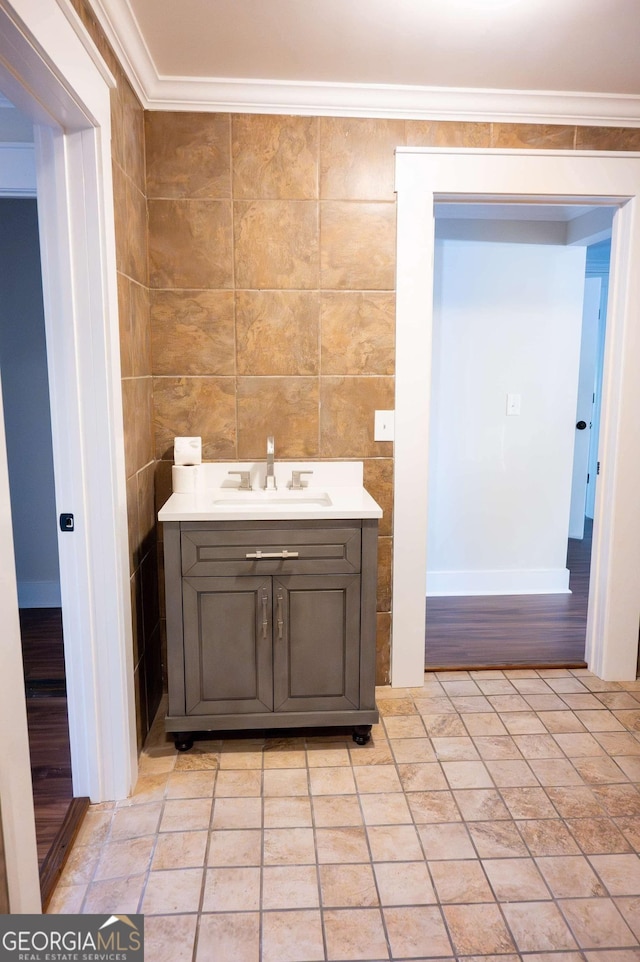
x,y
51,70
507,176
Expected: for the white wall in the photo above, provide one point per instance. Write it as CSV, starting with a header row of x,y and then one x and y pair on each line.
x,y
15,127
25,385
506,320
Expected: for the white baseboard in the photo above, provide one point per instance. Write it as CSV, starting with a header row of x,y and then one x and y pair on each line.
x,y
544,581
39,594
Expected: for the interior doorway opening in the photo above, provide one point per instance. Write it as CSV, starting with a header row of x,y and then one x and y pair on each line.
x,y
427,175
518,339
26,405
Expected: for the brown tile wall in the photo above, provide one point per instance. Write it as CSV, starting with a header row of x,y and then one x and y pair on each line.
x,y
271,268
137,396
127,148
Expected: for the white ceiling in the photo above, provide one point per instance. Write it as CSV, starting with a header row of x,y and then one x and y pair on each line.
x,y
582,45
384,57
478,211
523,223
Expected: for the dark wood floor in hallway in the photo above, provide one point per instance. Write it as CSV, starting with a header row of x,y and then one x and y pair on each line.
x,y
58,814
43,656
510,630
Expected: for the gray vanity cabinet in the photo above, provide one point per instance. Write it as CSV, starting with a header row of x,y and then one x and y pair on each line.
x,y
270,625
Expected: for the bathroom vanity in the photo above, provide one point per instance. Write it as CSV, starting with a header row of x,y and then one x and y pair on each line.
x,y
271,599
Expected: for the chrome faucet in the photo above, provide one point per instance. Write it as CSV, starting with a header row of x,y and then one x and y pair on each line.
x,y
270,478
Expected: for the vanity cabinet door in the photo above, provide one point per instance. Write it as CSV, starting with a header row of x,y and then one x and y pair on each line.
x,y
228,645
316,630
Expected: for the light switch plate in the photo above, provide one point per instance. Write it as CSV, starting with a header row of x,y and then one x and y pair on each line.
x,y
383,426
513,405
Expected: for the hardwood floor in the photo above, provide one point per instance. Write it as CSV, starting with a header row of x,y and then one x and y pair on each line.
x,y
43,657
57,814
513,630
42,649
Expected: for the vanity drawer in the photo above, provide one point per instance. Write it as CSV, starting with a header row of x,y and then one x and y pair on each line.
x,y
211,551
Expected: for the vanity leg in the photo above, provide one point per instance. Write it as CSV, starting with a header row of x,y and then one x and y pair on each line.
x,y
361,734
183,741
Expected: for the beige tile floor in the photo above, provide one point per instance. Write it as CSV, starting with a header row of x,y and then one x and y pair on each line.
x,y
493,816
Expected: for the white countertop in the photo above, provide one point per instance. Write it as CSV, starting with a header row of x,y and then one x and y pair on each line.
x,y
207,492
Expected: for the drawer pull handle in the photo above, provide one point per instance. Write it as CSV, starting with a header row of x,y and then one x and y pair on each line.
x,y
271,554
279,615
265,622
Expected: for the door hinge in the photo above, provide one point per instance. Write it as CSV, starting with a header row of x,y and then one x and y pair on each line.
x,y
588,476
598,469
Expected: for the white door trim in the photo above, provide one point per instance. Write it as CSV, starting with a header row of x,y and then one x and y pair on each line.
x,y
18,822
59,80
88,450
532,176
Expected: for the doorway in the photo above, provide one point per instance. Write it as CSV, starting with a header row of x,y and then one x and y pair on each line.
x,y
511,328
67,98
606,179
27,421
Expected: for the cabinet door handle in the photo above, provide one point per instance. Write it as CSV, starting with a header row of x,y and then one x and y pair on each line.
x,y
271,554
265,622
279,614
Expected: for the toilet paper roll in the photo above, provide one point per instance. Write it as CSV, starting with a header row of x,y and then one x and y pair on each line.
x,y
187,450
185,478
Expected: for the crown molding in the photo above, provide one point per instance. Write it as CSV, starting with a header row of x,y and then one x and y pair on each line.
x,y
393,101
121,29
233,95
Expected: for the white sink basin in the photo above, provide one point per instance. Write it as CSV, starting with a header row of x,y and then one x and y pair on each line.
x,y
251,499
211,492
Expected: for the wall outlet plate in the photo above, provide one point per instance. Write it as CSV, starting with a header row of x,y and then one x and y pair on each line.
x,y
383,426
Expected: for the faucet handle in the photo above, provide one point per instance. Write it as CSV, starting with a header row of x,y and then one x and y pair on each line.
x,y
245,480
296,479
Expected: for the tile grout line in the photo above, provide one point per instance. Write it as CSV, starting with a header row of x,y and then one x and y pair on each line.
x,y
203,885
314,829
262,857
